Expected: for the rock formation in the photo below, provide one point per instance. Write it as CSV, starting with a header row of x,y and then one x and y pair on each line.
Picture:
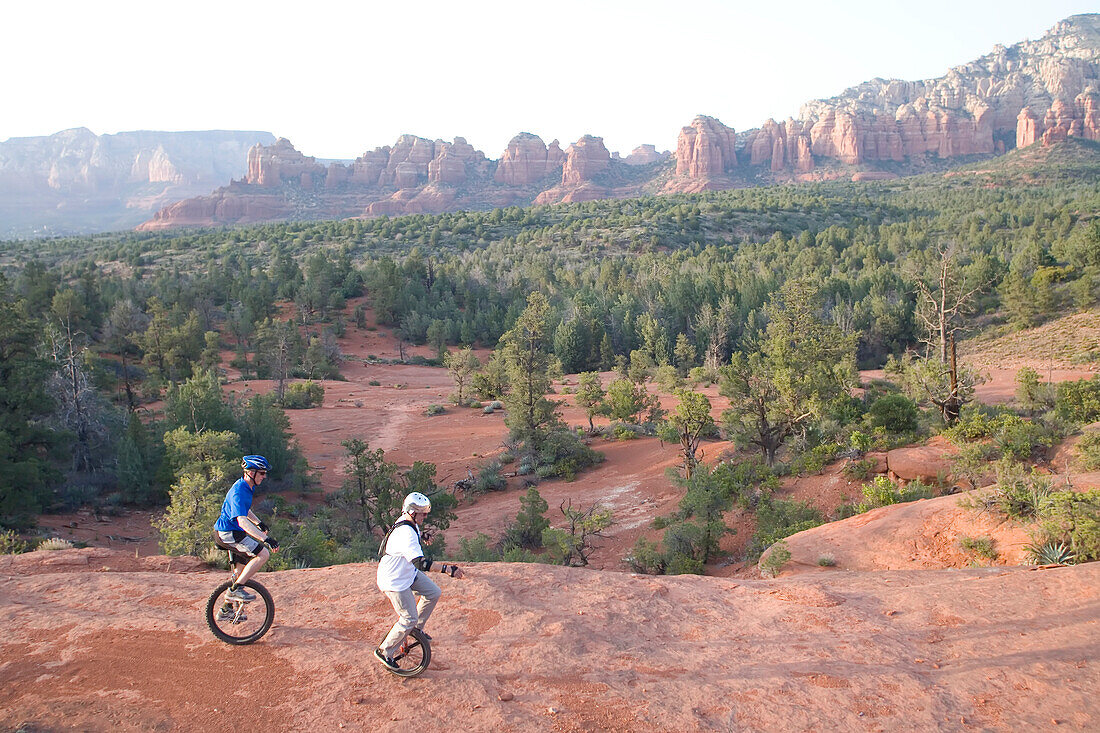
x,y
527,160
77,182
1034,91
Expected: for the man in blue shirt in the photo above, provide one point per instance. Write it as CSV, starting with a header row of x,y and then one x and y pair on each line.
x,y
240,531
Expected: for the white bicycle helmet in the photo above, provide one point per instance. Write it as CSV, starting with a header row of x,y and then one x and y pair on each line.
x,y
416,502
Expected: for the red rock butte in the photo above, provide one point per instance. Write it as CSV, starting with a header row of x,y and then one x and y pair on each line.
x,y
1032,92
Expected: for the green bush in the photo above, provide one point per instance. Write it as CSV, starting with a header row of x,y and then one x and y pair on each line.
x,y
646,557
489,479
1074,518
976,423
434,409
777,519
860,470
895,413
477,549
302,395
10,544
1088,451
884,492
1021,440
777,556
826,561
1079,401
980,546
816,459
1018,494
562,453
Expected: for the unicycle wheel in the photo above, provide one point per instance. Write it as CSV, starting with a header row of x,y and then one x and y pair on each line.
x,y
413,655
239,622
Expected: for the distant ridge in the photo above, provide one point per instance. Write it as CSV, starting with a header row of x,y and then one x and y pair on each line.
x,y
1033,92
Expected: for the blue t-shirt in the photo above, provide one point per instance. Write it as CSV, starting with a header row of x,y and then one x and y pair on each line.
x,y
237,503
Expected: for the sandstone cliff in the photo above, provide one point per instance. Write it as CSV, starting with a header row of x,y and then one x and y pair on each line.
x,y
77,181
1033,91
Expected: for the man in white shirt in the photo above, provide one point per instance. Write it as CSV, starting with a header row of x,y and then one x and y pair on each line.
x,y
401,575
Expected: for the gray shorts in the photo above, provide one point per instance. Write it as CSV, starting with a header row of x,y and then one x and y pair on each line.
x,y
246,545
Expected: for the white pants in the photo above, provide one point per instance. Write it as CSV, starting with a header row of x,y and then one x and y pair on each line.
x,y
410,611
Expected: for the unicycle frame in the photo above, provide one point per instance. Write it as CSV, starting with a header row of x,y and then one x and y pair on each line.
x,y
415,651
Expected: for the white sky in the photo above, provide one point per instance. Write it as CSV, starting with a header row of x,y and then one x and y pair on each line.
x,y
340,78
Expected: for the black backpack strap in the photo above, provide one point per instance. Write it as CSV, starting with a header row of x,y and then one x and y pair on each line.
x,y
382,547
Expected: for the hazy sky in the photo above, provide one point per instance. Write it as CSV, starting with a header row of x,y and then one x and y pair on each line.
x,y
340,78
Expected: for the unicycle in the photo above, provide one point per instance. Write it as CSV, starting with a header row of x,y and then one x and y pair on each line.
x,y
239,622
413,655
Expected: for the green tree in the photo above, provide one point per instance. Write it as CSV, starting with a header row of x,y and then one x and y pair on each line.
x,y
370,496
590,395
684,354
531,368
526,531
461,365
204,463
626,400
691,420
25,443
802,365
198,404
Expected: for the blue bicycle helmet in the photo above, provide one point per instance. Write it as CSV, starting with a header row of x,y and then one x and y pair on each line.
x,y
255,463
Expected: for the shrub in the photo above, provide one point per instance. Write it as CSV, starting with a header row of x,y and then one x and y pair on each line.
x,y
862,442
434,409
302,395
976,423
971,462
884,492
826,561
526,531
489,479
669,379
646,557
488,410
860,470
776,519
777,556
10,544
477,549
980,546
1088,451
54,543
215,557
895,413
1021,440
815,461
1019,495
1074,518
1079,401
623,432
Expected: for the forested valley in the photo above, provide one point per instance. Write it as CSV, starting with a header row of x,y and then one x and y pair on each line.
x,y
110,382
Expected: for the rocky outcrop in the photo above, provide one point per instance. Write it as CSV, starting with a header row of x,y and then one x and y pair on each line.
x,y
1035,90
270,166
644,155
706,149
77,182
527,160
1045,90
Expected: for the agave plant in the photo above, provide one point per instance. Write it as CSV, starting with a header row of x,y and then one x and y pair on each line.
x,y
1051,553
